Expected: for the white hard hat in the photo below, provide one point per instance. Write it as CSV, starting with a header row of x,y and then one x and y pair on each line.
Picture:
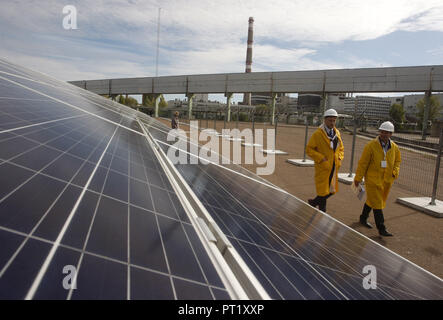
x,y
387,126
330,113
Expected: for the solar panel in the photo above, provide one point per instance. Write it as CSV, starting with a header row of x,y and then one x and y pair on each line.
x,y
80,186
294,250
288,237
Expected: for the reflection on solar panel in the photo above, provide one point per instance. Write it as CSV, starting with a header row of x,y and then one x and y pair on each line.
x,y
85,185
80,186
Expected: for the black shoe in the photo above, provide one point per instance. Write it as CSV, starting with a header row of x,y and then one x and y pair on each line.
x,y
385,233
311,203
366,224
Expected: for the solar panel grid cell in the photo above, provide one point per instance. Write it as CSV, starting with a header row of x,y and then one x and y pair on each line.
x,y
16,279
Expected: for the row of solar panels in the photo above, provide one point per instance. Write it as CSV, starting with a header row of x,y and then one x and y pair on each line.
x,y
86,191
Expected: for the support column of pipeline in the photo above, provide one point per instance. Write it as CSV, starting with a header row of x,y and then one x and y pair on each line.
x,y
273,101
228,105
157,102
190,97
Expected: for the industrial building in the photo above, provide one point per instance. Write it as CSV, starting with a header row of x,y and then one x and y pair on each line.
x,y
368,106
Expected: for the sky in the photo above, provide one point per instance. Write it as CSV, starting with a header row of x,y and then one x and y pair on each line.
x,y
118,39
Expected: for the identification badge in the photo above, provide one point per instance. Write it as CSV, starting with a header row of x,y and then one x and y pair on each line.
x,y
332,145
383,164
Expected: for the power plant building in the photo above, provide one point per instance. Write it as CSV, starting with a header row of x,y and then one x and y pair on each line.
x,y
368,106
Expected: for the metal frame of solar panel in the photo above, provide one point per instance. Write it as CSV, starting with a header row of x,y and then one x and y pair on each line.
x,y
81,151
80,186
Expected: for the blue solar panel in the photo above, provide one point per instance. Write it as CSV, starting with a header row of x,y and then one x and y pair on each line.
x,y
77,175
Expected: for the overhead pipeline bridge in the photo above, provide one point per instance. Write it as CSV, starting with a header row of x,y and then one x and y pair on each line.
x,y
426,79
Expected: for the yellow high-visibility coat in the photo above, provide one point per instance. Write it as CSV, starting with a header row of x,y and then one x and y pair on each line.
x,y
318,148
378,180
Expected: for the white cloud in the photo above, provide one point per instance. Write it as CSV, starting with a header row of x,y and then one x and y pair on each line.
x,y
77,68
194,21
118,38
436,52
430,19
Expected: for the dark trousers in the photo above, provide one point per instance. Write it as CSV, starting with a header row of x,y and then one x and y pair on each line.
x,y
320,201
378,217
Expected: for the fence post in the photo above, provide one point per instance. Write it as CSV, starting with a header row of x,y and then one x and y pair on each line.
x,y
427,107
437,169
353,140
200,119
426,114
238,115
275,135
207,119
253,126
306,139
215,121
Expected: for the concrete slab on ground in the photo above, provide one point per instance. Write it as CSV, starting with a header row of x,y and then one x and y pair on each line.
x,y
251,144
270,151
211,131
345,178
301,162
235,139
423,204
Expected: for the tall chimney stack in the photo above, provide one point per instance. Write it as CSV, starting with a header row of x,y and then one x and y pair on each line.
x,y
247,96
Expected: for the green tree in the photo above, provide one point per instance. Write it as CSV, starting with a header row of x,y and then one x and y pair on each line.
x,y
129,101
397,113
434,110
162,103
121,99
261,112
150,101
262,108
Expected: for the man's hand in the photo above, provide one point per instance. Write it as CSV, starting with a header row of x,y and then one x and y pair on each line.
x,y
324,159
356,183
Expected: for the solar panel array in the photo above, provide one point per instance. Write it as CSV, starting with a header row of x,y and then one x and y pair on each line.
x,y
78,176
80,185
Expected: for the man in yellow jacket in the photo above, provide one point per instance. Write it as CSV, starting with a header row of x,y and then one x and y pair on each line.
x,y
326,148
380,166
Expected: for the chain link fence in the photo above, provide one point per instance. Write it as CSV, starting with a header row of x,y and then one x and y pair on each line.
x,y
419,160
